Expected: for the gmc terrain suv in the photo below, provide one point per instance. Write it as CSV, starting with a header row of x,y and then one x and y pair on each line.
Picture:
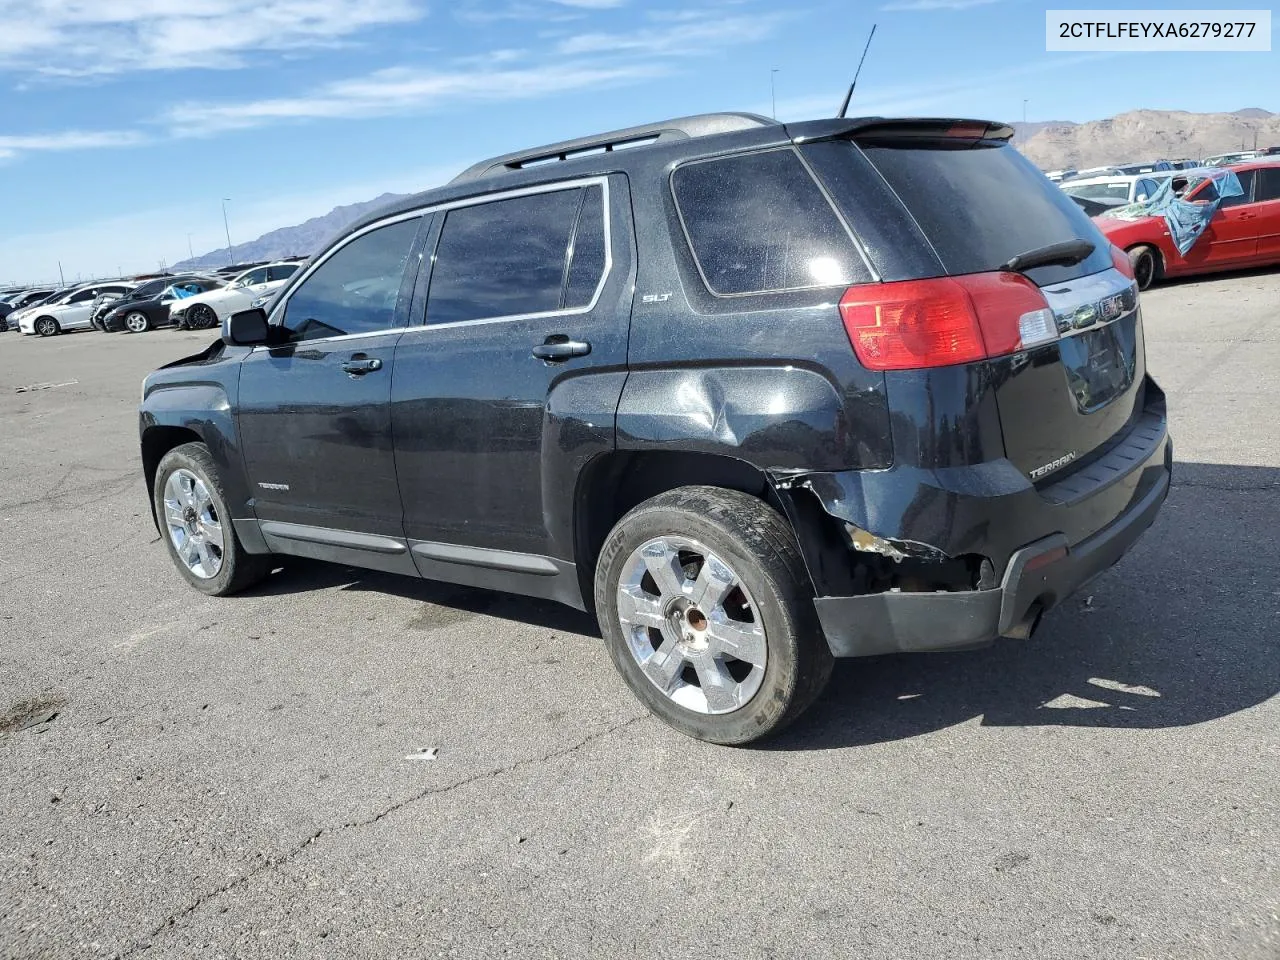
x,y
759,395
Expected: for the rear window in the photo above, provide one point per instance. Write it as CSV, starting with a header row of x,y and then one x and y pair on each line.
x,y
1112,190
980,206
758,223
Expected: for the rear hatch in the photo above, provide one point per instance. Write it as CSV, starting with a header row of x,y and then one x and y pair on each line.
x,y
953,199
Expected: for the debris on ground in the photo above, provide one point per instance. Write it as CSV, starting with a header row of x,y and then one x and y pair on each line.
x,y
29,713
426,753
32,387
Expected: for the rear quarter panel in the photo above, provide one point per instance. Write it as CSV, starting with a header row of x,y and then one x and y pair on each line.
x,y
771,380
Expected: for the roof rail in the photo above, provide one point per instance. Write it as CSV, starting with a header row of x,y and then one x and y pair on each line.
x,y
681,128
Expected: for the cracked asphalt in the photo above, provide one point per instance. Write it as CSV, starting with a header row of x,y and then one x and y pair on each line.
x,y
184,776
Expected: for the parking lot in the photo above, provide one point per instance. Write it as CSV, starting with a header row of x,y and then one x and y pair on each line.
x,y
231,777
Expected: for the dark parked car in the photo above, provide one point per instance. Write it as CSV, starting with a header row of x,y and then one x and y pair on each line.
x,y
150,303
16,300
759,395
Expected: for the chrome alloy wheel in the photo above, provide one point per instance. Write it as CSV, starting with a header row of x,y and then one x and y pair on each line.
x,y
194,526
691,625
136,322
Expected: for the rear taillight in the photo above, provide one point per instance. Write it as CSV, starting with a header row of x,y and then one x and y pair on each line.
x,y
911,324
1120,260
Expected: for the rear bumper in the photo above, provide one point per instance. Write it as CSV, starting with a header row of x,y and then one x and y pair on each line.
x,y
1069,535
1039,576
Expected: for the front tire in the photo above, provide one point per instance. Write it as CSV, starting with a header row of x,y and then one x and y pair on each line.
x,y
196,525
708,614
1146,268
47,327
137,322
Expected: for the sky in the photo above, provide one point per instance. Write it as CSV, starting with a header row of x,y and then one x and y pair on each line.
x,y
125,123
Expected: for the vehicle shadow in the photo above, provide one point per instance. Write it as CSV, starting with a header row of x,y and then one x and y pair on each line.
x,y
1181,631
298,575
1222,276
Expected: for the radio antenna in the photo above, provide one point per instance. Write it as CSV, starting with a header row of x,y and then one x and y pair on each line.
x,y
844,107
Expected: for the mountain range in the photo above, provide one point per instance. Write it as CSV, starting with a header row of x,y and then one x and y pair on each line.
x,y
301,240
1145,135
1051,144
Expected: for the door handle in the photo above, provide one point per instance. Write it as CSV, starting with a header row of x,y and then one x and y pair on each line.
x,y
1247,216
559,348
359,365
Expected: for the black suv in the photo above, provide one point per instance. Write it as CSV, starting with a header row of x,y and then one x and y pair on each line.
x,y
759,395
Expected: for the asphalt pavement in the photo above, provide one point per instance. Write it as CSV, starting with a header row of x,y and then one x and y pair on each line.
x,y
184,776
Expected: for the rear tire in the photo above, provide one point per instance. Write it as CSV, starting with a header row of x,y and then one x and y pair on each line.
x,y
47,327
1146,265
724,644
137,322
188,511
201,316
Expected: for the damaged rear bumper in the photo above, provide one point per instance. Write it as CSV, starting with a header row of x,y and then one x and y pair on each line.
x,y
1043,543
1038,577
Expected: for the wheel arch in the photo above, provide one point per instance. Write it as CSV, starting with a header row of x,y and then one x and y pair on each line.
x,y
1157,257
157,440
613,483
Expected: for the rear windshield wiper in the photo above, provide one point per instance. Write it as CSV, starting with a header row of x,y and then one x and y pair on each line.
x,y
1065,254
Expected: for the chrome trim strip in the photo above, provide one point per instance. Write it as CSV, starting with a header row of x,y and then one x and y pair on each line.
x,y
1083,304
580,183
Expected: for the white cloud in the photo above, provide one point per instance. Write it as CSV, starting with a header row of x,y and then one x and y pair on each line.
x,y
90,37
694,36
400,90
13,144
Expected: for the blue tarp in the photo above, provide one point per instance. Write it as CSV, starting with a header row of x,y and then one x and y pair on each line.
x,y
1186,220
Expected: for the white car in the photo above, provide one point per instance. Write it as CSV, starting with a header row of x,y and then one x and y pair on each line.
x,y
1117,189
212,307
71,311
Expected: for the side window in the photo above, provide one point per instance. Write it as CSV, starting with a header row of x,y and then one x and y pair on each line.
x,y
1205,193
758,223
356,289
587,255
504,258
255,277
282,271
1268,186
82,296
1145,190
1246,181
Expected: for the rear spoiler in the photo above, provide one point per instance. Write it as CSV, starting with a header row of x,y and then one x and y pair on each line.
x,y
907,128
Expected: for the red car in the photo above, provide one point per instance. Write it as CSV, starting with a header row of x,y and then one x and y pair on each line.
x,y
1244,232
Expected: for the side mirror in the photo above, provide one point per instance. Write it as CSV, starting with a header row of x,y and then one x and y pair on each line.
x,y
247,328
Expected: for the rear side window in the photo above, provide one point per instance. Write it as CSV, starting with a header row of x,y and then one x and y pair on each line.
x,y
356,289
758,223
282,271
981,206
510,257
1268,186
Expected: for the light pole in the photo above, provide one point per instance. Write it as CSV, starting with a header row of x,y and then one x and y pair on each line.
x,y
231,251
1024,111
191,252
773,95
